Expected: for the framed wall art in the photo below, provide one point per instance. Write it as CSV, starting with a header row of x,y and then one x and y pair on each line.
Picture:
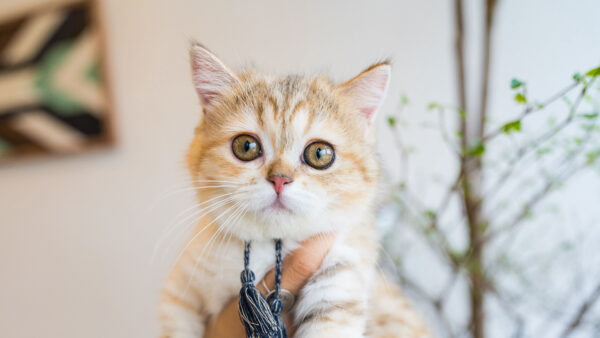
x,y
54,96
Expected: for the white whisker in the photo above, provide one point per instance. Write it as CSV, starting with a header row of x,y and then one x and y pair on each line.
x,y
232,229
201,213
178,221
210,243
187,188
202,230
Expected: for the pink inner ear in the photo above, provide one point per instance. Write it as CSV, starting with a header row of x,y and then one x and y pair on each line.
x,y
368,111
372,93
371,105
381,85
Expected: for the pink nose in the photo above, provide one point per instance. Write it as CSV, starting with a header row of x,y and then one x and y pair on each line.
x,y
279,182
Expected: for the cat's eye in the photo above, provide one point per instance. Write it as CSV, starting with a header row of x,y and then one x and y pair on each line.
x,y
246,147
319,155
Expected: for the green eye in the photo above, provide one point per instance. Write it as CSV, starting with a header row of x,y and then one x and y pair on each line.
x,y
246,147
319,155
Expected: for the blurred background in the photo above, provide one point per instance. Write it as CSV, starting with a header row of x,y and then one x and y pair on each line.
x,y
86,195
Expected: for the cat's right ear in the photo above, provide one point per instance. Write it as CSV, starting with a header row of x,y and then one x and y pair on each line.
x,y
211,77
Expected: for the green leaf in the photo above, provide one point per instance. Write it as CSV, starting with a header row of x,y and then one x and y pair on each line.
x,y
578,77
462,113
589,99
529,215
459,134
590,116
515,83
433,105
520,98
543,151
568,102
456,256
391,121
589,127
511,126
592,156
593,72
477,150
404,100
430,214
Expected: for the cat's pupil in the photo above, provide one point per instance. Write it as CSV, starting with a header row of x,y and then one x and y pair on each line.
x,y
247,146
319,150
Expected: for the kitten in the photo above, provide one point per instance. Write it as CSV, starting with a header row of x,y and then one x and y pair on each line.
x,y
286,158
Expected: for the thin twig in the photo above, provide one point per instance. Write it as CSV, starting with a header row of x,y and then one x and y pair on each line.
x,y
539,196
583,309
446,199
441,246
517,318
401,146
526,149
444,133
532,109
534,200
436,304
485,74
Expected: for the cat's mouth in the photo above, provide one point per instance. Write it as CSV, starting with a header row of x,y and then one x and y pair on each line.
x,y
278,206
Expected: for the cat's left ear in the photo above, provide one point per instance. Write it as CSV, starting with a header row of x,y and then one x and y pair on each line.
x,y
367,90
212,78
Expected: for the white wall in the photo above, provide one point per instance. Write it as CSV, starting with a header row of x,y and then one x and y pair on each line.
x,y
77,234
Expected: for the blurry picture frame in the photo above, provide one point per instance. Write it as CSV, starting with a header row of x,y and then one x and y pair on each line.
x,y
54,91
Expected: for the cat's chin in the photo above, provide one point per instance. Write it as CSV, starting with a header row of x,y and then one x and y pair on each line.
x,y
279,223
278,207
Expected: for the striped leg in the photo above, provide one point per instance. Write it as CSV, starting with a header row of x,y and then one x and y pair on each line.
x,y
179,318
334,303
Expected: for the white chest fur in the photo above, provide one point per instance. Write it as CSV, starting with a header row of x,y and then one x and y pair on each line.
x,y
217,277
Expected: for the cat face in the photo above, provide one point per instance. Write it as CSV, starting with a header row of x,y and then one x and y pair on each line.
x,y
284,157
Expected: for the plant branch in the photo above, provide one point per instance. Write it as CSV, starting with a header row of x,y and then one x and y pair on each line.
x,y
436,304
532,109
402,148
471,172
505,304
446,199
552,182
583,309
487,41
444,133
418,212
460,61
526,149
539,196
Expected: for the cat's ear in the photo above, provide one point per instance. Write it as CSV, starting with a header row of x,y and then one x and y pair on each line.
x,y
210,75
367,90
